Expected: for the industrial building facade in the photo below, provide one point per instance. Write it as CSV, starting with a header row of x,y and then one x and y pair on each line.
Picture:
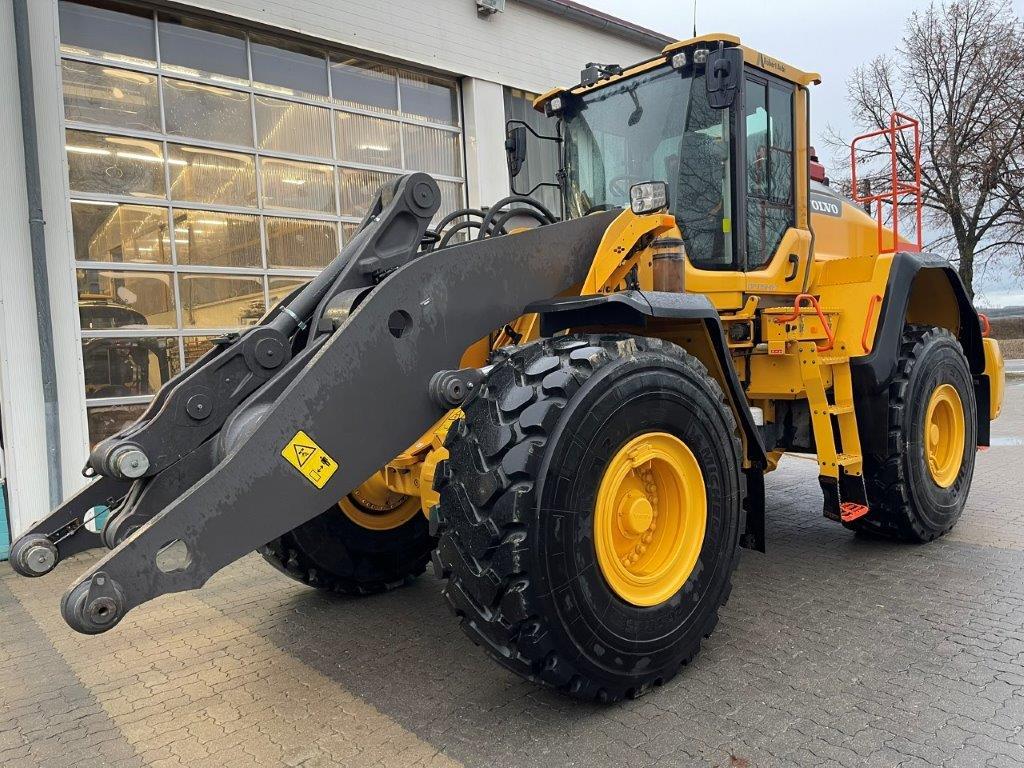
x,y
181,166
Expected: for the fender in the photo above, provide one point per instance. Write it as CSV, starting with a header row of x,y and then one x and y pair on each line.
x,y
637,308
874,372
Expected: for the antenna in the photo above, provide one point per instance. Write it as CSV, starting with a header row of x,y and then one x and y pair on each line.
x,y
694,18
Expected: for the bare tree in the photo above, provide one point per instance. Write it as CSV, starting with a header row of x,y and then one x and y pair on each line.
x,y
960,70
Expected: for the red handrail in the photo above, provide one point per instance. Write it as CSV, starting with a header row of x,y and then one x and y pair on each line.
x,y
806,297
897,122
867,321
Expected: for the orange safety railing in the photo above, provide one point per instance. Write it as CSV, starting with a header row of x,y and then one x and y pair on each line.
x,y
806,298
898,122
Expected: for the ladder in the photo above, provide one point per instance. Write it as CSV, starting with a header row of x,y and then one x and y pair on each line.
x,y
824,367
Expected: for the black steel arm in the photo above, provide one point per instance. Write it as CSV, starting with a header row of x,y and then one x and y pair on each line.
x,y
192,408
362,396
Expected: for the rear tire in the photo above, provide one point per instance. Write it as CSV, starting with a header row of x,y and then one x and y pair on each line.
x,y
519,502
334,553
907,500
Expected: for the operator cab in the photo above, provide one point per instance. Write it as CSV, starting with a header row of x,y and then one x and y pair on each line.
x,y
722,126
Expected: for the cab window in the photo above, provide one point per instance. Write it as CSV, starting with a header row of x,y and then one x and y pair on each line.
x,y
769,134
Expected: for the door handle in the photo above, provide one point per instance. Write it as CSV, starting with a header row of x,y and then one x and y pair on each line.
x,y
794,263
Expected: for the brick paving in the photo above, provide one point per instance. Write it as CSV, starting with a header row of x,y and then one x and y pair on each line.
x,y
834,650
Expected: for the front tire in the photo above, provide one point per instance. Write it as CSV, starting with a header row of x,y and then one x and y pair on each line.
x,y
918,488
521,522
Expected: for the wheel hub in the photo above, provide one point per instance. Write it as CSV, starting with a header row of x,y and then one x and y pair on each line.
x,y
650,518
375,506
944,434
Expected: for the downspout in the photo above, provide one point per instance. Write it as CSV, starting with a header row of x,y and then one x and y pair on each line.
x,y
41,280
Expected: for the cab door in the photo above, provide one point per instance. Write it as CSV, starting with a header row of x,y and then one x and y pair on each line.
x,y
768,228
777,240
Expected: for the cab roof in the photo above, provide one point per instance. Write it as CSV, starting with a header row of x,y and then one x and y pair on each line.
x,y
750,56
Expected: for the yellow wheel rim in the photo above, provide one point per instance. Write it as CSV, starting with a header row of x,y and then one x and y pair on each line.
x,y
650,518
375,506
944,435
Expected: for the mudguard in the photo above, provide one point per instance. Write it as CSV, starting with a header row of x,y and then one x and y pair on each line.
x,y
874,372
636,308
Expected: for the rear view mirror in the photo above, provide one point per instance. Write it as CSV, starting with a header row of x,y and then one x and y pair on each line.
x,y
515,149
723,76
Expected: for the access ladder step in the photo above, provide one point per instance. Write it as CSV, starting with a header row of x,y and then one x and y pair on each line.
x,y
849,460
850,511
839,410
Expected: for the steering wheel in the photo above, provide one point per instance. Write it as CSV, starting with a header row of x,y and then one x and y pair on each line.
x,y
619,186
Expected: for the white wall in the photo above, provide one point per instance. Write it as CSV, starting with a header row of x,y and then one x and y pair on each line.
x,y
22,405
483,104
67,347
522,47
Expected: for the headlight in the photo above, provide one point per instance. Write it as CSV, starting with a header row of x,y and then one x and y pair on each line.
x,y
648,197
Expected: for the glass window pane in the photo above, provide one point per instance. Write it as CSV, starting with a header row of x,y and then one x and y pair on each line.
x,y
117,32
297,243
280,287
211,176
107,420
207,112
217,239
114,165
196,347
120,233
288,68
348,230
430,97
198,47
358,188
295,185
432,150
287,126
452,198
94,93
365,84
220,301
123,299
369,140
128,367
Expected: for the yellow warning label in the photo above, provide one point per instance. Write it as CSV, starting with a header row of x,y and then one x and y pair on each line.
x,y
310,459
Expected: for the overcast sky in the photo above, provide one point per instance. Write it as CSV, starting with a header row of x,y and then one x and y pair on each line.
x,y
822,36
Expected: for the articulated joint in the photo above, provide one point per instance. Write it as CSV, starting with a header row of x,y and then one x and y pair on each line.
x,y
450,389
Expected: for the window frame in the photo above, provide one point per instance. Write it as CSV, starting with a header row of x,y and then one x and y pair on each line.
x,y
765,80
341,223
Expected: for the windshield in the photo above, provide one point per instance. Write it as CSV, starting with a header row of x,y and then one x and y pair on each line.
x,y
654,127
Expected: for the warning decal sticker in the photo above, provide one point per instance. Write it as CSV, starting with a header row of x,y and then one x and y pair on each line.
x,y
310,459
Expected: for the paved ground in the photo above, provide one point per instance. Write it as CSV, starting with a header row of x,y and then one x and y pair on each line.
x,y
834,650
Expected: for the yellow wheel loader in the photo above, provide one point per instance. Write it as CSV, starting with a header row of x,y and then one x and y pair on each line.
x,y
572,418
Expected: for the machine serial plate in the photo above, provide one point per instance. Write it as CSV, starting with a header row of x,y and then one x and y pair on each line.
x,y
310,459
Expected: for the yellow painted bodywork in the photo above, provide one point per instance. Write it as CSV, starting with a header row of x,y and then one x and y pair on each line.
x,y
810,323
995,370
751,57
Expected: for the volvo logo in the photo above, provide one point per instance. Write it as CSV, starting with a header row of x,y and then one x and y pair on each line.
x,y
827,207
767,62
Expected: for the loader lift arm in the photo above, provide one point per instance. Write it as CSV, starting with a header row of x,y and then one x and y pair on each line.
x,y
194,405
415,321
